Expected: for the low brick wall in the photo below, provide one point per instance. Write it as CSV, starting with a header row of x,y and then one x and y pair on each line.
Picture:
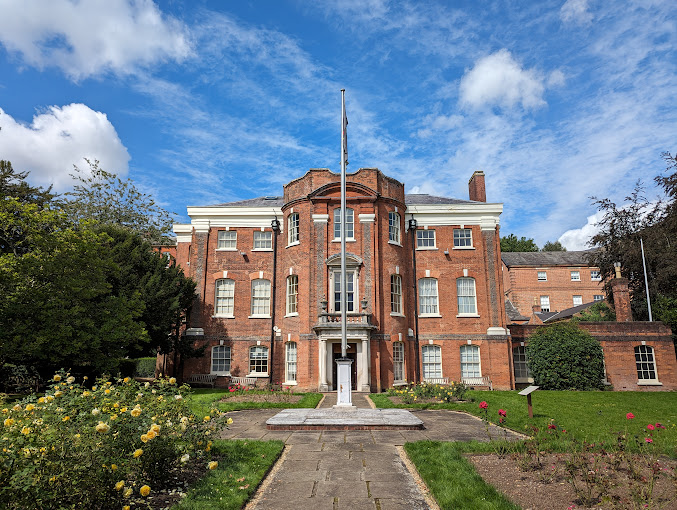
x,y
618,340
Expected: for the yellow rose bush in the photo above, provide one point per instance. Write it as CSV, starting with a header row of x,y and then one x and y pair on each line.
x,y
98,447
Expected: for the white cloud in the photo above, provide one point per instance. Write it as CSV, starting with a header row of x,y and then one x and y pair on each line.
x,y
499,80
89,37
575,11
577,238
59,138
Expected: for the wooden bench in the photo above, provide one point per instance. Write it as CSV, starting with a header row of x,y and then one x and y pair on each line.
x,y
206,379
243,381
443,381
478,382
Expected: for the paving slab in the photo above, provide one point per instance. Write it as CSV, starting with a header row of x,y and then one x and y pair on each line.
x,y
336,419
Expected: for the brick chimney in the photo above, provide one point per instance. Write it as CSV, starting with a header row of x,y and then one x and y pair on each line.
x,y
476,188
621,295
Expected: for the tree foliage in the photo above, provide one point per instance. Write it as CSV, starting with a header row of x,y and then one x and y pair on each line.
x,y
553,246
104,198
599,312
564,357
512,243
618,240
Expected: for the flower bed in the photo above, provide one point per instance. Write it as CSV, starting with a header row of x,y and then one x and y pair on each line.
x,y
430,393
108,446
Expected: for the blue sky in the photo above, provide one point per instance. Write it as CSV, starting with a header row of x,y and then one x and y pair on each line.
x,y
205,102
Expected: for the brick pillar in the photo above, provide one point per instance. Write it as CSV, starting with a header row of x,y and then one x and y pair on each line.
x,y
621,294
476,188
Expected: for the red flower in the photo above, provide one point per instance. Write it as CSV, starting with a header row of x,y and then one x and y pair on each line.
x,y
501,420
501,412
629,416
483,405
659,426
648,440
650,427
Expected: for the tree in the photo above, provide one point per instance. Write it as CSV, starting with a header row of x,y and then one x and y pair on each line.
x,y
598,312
564,357
618,240
104,198
512,243
553,246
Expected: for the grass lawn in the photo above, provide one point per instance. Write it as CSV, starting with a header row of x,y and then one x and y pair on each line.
x,y
242,466
591,416
202,399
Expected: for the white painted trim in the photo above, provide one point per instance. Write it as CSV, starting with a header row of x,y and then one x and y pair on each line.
x,y
367,218
498,331
320,218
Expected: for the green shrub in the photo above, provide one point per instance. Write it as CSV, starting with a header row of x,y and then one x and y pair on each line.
x,y
126,367
145,367
18,378
564,357
99,448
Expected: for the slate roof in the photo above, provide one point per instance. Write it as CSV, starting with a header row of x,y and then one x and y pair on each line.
x,y
546,258
569,312
425,199
513,313
254,202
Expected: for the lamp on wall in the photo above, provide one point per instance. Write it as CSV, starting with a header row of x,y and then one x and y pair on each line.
x,y
275,225
413,224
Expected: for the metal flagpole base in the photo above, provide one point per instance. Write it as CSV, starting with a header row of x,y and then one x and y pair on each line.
x,y
343,397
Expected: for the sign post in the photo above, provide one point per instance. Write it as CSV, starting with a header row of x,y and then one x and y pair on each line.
x,y
528,391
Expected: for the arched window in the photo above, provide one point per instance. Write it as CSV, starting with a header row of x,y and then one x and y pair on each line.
x,y
398,362
258,360
465,290
292,294
293,230
290,358
427,296
350,220
646,366
470,361
260,298
224,300
432,361
220,360
394,227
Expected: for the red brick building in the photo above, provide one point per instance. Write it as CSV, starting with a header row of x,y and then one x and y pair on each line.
x,y
553,281
425,289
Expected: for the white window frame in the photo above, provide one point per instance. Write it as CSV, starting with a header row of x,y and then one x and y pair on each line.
x,y
224,298
263,240
521,365
394,228
595,275
398,363
292,295
461,240
431,359
226,240
396,295
423,239
350,224
543,274
257,355
575,276
293,230
466,296
260,300
579,298
291,363
428,298
545,300
598,297
645,364
471,363
351,305
216,351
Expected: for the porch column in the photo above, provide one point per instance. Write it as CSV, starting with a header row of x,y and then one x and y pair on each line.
x,y
366,367
322,360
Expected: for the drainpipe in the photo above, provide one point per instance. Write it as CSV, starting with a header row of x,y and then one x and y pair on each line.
x,y
417,371
275,224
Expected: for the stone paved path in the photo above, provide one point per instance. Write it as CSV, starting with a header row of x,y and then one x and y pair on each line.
x,y
348,469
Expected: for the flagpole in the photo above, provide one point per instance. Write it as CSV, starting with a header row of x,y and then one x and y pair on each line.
x,y
344,300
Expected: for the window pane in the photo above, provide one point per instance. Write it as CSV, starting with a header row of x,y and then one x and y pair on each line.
x,y
542,276
595,275
263,240
462,237
224,301
291,361
470,361
260,297
427,295
292,293
598,297
350,234
293,228
578,300
465,288
227,239
545,303
394,227
519,357
432,361
575,276
646,369
398,361
220,358
395,293
425,238
258,360
350,291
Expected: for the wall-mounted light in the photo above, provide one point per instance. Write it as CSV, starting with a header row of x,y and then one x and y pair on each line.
x,y
413,224
275,225
244,254
446,252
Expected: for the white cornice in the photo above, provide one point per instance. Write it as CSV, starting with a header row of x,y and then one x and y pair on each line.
x,y
246,217
483,214
184,232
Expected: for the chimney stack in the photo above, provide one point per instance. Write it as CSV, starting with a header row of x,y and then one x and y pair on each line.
x,y
621,295
476,188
